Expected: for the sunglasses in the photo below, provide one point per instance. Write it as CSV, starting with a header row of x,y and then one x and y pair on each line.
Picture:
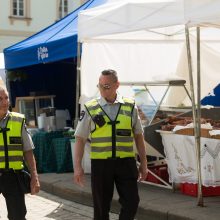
x,y
104,86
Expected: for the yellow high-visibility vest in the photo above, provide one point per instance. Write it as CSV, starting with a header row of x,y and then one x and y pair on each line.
x,y
113,138
14,142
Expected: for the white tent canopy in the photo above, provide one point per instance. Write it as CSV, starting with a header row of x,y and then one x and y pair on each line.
x,y
2,69
131,15
151,42
2,62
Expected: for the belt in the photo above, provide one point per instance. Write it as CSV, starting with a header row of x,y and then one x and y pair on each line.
x,y
116,158
10,170
5,171
120,158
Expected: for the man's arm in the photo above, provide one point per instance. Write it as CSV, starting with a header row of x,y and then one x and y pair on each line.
x,y
140,145
31,163
78,155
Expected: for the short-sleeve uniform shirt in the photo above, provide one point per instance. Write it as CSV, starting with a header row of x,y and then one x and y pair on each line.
x,y
27,142
86,124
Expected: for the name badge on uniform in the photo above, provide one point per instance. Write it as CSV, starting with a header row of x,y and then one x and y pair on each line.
x,y
15,140
123,132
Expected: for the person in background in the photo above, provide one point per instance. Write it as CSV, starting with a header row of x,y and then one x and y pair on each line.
x,y
112,123
16,146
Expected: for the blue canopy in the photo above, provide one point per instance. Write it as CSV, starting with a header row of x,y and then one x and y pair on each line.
x,y
212,98
56,42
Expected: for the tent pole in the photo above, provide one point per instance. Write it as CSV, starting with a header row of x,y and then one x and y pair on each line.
x,y
198,137
193,107
77,83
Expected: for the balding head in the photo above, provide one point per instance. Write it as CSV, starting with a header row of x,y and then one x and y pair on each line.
x,y
4,102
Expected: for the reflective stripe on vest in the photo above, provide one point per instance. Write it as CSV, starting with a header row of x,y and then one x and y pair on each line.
x,y
15,148
104,139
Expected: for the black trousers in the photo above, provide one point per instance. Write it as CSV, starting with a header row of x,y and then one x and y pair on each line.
x,y
14,197
123,174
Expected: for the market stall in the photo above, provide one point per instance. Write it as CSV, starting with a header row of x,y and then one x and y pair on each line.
x,y
166,19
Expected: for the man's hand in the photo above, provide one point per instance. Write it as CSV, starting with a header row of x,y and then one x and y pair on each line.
x,y
143,171
78,176
35,185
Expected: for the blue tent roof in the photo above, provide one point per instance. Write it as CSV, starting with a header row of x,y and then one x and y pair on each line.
x,y
213,97
56,42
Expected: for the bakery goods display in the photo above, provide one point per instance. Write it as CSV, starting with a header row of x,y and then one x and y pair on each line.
x,y
184,125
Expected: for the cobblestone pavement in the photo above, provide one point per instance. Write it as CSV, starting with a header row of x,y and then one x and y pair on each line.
x,y
45,206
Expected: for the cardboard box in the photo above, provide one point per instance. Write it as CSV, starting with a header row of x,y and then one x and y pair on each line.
x,y
192,190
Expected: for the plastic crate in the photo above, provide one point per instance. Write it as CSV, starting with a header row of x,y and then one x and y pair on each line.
x,y
160,171
192,190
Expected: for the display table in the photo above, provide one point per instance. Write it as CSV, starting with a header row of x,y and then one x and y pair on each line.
x,y
60,157
52,152
181,159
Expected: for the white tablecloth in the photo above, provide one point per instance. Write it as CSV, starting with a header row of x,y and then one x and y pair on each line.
x,y
181,159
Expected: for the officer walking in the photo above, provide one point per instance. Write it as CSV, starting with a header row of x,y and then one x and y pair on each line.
x,y
112,123
15,147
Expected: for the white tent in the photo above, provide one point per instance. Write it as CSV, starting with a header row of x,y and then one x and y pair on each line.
x,y
2,69
120,16
150,34
2,62
150,45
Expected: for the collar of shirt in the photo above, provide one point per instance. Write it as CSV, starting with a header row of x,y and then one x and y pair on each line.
x,y
5,116
3,120
103,102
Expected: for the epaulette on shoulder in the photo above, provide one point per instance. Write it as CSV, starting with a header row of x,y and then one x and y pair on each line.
x,y
91,102
16,114
129,100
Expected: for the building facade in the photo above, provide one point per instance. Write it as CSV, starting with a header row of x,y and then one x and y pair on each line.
x,y
20,19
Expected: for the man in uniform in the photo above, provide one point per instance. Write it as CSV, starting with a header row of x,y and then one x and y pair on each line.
x,y
112,123
16,146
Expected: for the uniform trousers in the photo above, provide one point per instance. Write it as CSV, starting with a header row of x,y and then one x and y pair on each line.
x,y
121,172
14,197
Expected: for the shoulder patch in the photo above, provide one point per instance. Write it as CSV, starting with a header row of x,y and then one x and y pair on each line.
x,y
82,114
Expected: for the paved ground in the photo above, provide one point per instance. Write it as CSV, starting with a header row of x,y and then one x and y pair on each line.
x,y
156,203
45,206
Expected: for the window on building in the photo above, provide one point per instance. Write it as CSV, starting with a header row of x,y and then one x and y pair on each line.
x,y
63,8
18,8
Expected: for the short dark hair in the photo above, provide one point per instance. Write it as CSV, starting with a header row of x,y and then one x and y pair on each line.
x,y
112,73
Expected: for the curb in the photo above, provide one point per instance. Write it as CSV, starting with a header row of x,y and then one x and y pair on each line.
x,y
77,195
